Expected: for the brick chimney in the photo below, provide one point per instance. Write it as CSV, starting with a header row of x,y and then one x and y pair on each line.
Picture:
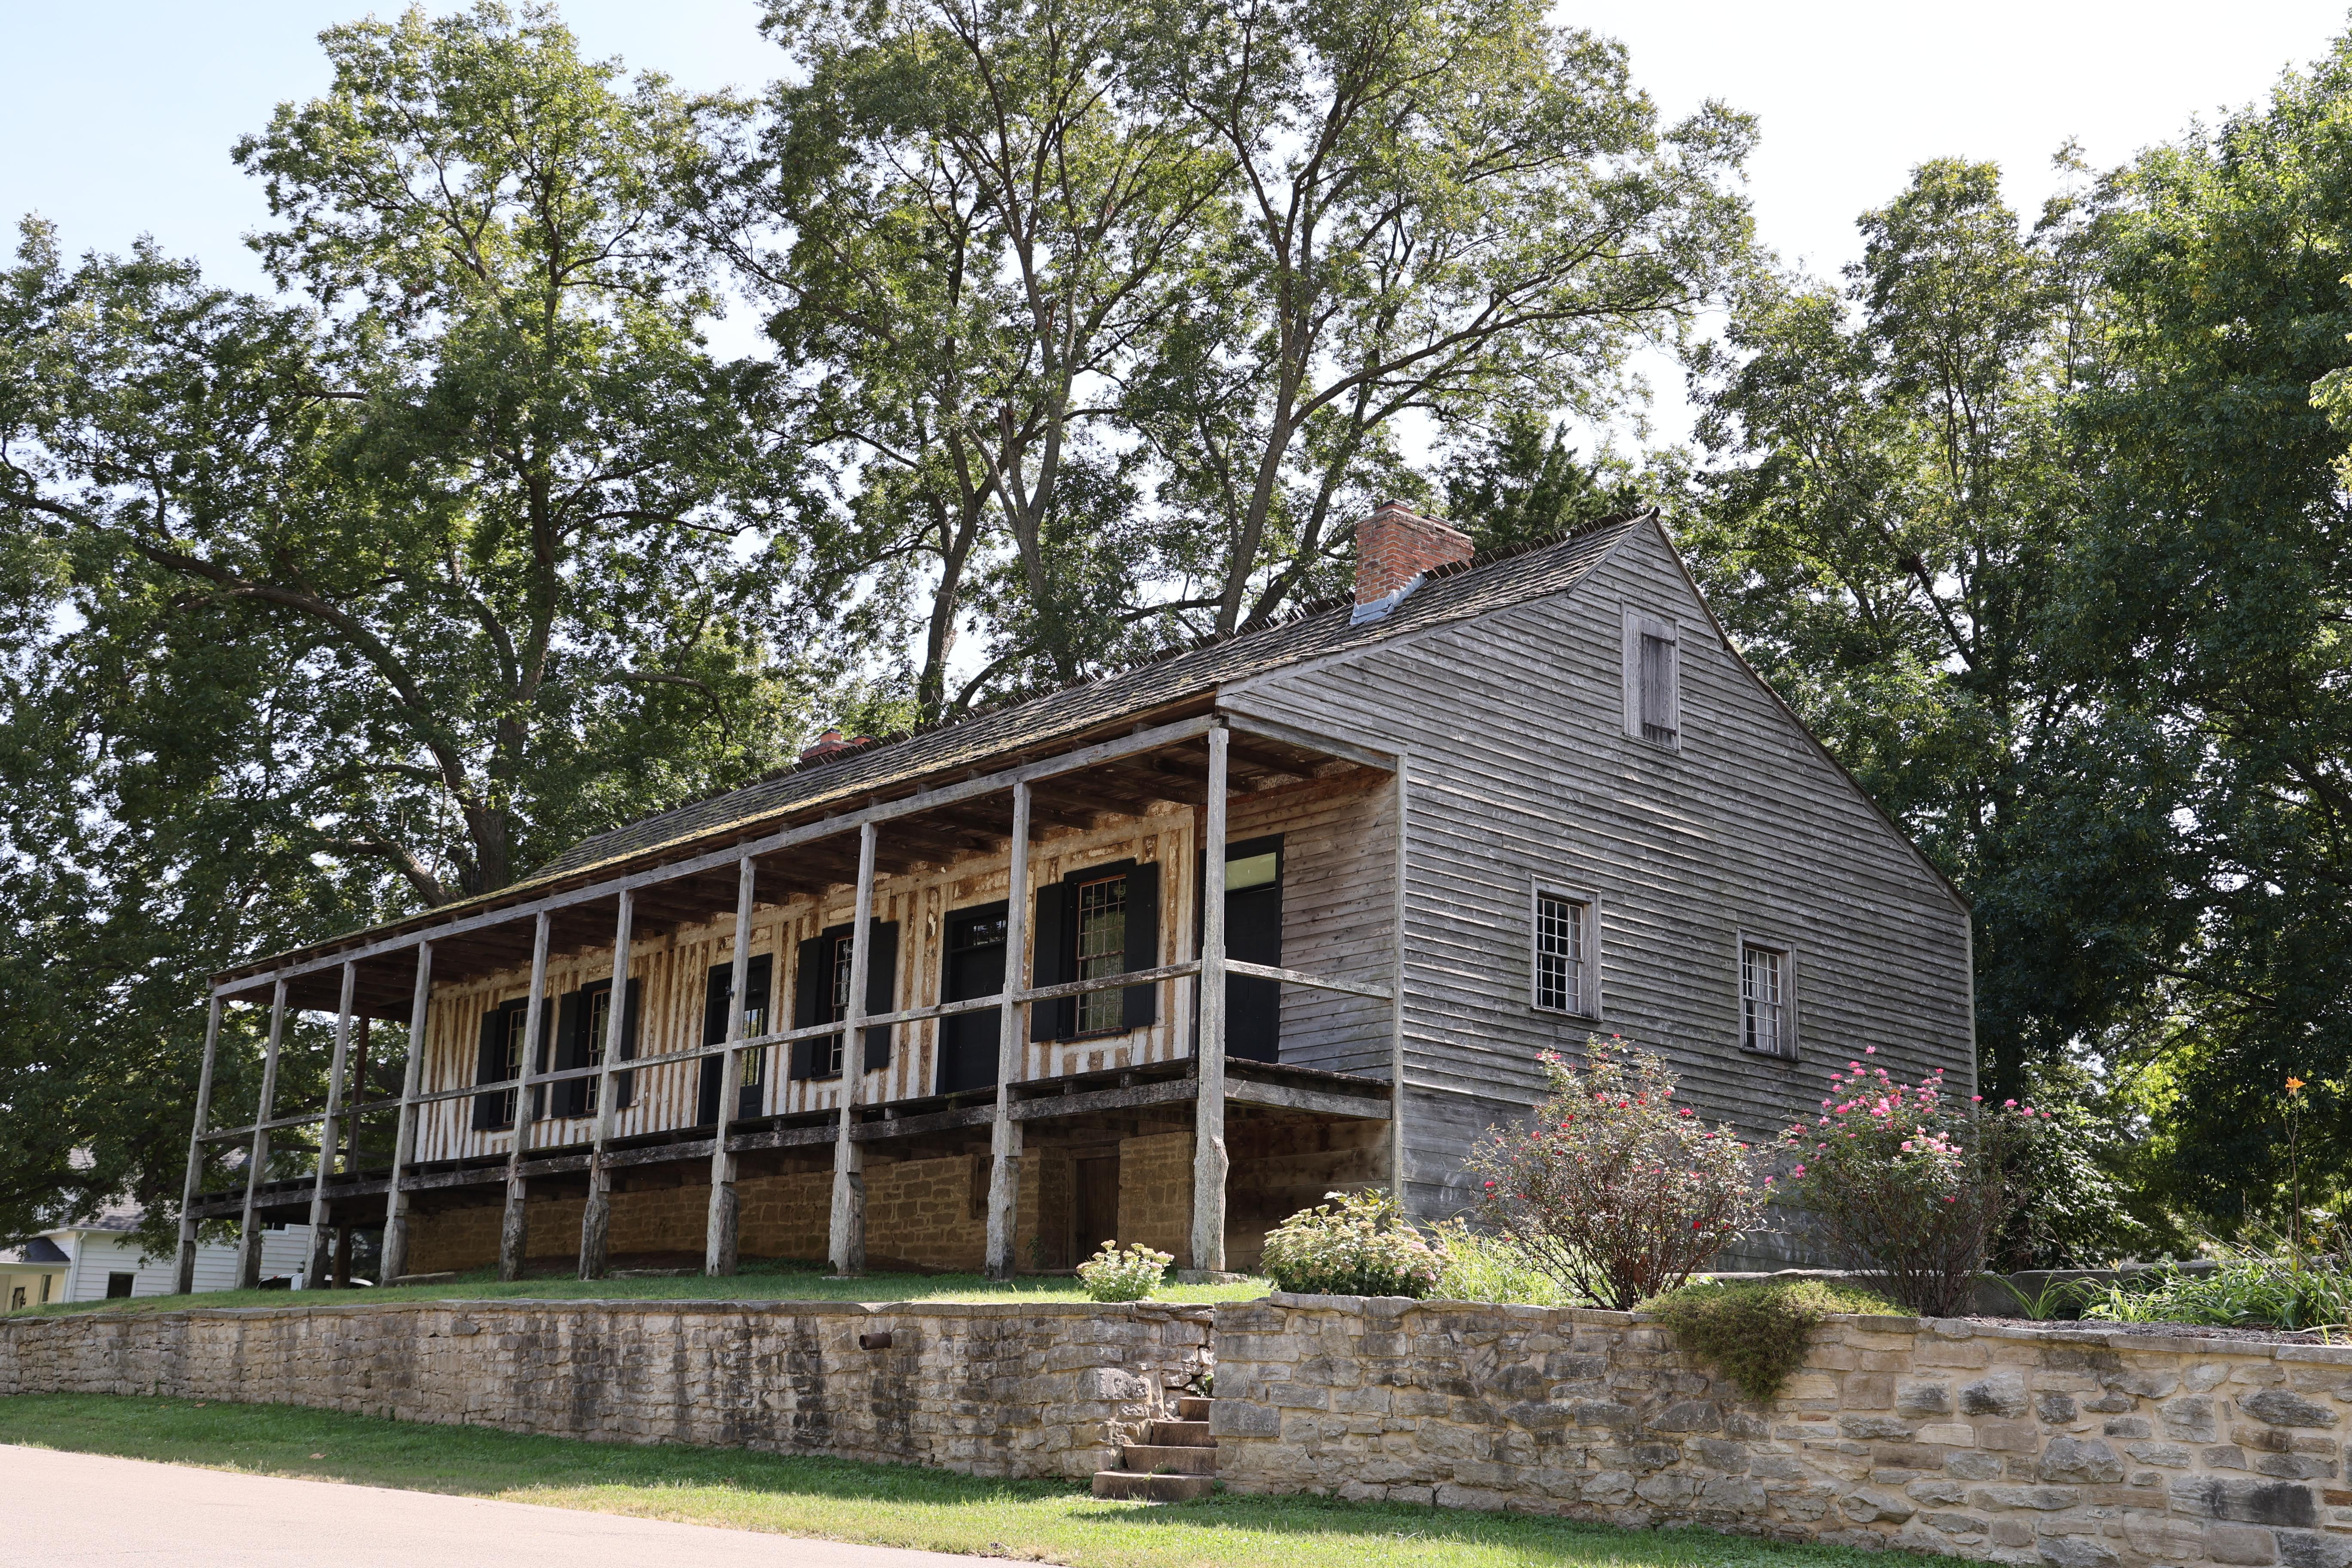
x,y
1394,545
830,743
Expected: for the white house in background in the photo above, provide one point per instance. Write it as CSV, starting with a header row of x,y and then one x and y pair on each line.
x,y
101,1259
32,1274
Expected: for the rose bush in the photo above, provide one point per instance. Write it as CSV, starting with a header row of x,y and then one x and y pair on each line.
x,y
1909,1182
1613,1189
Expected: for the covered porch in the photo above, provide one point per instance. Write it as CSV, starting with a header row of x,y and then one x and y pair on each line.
x,y
1177,1092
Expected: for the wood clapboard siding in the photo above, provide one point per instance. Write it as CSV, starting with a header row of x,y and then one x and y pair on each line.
x,y
674,968
1521,774
1338,910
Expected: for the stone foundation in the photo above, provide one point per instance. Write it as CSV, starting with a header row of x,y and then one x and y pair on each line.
x,y
990,1390
2069,1446
918,1215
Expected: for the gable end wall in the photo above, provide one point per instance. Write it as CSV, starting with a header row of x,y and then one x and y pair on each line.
x,y
1521,772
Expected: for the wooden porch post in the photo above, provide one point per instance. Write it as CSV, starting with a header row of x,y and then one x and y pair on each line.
x,y
395,1262
1005,1133
1396,982
514,1225
723,1230
596,1220
1209,1161
185,1280
847,1248
319,1275
248,1243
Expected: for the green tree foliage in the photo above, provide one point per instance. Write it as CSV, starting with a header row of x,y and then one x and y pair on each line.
x,y
1883,534
375,594
1107,312
2211,590
2045,532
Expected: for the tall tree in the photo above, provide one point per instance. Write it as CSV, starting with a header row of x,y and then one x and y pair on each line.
x,y
2212,588
375,594
1896,484
983,211
1449,210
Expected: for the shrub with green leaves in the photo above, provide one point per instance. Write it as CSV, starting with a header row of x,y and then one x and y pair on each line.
x,y
2265,1281
1480,1267
1112,1274
1755,1331
1612,1188
1354,1244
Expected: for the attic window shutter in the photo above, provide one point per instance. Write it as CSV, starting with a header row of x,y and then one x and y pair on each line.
x,y
881,988
1652,678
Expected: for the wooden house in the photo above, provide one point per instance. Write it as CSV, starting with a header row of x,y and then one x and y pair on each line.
x,y
1293,911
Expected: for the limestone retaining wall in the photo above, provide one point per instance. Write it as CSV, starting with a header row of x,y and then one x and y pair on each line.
x,y
992,1390
2071,1447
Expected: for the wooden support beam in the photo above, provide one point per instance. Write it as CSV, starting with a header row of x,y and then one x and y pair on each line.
x,y
1403,801
316,1276
404,1137
1004,1134
722,1228
847,1241
596,1220
1210,1162
185,1278
514,1225
248,1240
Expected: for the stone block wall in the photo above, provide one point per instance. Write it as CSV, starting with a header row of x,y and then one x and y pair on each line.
x,y
918,1215
992,1390
2071,1447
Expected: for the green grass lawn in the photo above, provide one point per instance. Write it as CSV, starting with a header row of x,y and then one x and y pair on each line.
x,y
884,1505
759,1284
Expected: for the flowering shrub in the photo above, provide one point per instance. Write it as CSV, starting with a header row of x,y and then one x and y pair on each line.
x,y
1356,1245
1111,1275
1613,1189
1909,1182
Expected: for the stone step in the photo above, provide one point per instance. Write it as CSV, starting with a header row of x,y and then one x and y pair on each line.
x,y
1193,1407
1180,1435
1152,1489
1150,1458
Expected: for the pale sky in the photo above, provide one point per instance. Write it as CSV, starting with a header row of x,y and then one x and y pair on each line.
x,y
115,116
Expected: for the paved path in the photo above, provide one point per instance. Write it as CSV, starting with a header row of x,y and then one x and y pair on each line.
x,y
79,1510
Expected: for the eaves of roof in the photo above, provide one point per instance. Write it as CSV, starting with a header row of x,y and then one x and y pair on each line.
x,y
1190,678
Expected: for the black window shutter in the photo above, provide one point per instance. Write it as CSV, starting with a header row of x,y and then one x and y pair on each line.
x,y
624,1084
564,1019
810,973
1051,939
1139,1005
881,988
714,1030
572,1051
489,1066
757,982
